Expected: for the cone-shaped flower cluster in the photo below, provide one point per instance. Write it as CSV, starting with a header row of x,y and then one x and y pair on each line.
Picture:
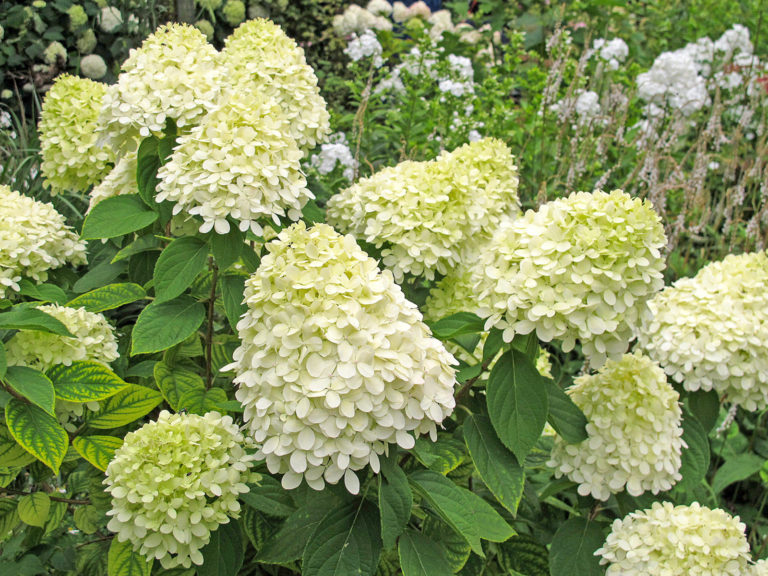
x,y
423,213
174,481
259,58
711,331
676,540
33,239
236,163
93,339
634,431
72,159
335,364
580,267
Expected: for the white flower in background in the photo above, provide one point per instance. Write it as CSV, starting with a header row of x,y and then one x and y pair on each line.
x,y
110,19
674,80
34,238
760,568
686,540
365,46
174,74
120,180
702,52
356,19
93,339
441,22
333,152
379,7
614,52
174,481
240,162
710,331
634,431
734,43
93,66
334,364
579,268
587,106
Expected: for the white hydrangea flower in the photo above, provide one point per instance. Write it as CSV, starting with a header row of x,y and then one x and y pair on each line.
x,y
614,52
93,66
120,180
666,539
33,239
239,163
72,158
422,213
760,568
441,22
174,481
174,74
259,58
93,339
334,364
379,7
336,150
710,331
357,19
674,80
110,19
579,268
634,431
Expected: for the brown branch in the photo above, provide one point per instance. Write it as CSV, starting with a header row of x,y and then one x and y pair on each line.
x,y
54,498
209,332
464,390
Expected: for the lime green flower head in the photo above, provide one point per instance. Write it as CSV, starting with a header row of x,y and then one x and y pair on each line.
x,y
668,539
55,53
94,340
209,5
206,28
710,331
34,238
259,58
240,162
174,481
634,431
233,12
72,158
579,268
87,42
77,17
334,363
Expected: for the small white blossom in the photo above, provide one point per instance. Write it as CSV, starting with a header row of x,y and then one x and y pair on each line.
x,y
674,80
614,52
365,46
336,151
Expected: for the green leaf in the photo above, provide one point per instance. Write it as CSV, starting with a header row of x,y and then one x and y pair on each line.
x,y
227,248
131,403
37,432
167,143
269,497
442,456
523,554
117,216
312,213
85,381
160,326
395,501
9,516
497,466
43,292
178,266
33,385
517,402
695,458
565,417
123,561
88,519
146,243
705,406
55,516
11,454
147,165
109,297
492,526
492,344
3,360
101,274
573,549
257,527
32,319
33,508
735,469
420,556
346,541
173,382
201,401
223,555
456,325
232,290
98,450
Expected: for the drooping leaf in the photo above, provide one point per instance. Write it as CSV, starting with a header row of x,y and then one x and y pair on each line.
x,y
456,548
695,458
32,319
89,519
257,526
129,404
224,554
442,456
270,498
85,381
735,469
98,450
55,516
456,325
232,290
117,216
420,556
147,165
33,508
160,326
11,454
227,248
173,382
565,417
37,432
109,297
200,401
496,465
9,516
146,243
123,561
3,360
525,555
43,292
178,266
573,548
33,385
395,501
705,406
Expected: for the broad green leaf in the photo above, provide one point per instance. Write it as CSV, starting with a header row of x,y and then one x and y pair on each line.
x,y
522,554
85,381
146,243
160,326
232,290
144,369
420,556
492,526
9,516
98,450
174,382
167,143
312,213
99,275
346,541
735,469
3,360
33,385
43,292
147,165
705,406
178,266
492,344
517,402
33,508
201,401
27,565
496,465
227,248
269,497
123,561
117,216
565,417
32,319
456,548
695,458
11,454
131,403
395,501
573,548
109,297
257,527
55,516
456,325
88,519
442,456
223,555
37,432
